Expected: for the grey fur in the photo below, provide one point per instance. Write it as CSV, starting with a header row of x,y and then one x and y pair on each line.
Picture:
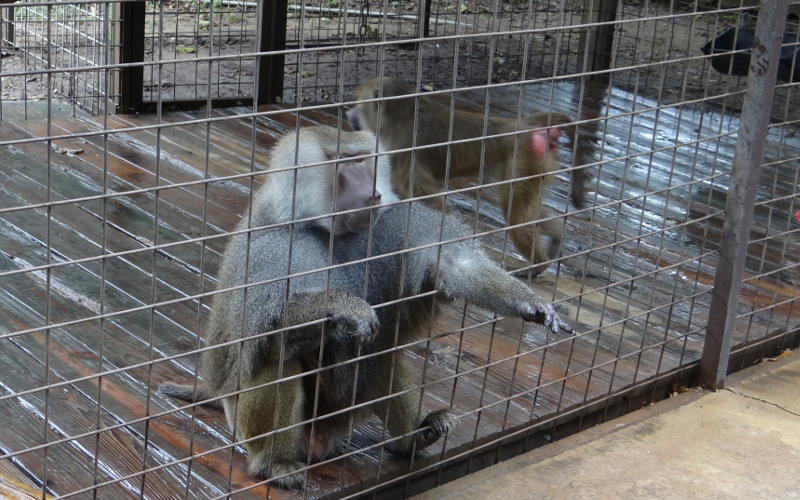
x,y
457,270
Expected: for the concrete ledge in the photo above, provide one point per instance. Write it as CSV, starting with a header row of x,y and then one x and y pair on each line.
x,y
740,442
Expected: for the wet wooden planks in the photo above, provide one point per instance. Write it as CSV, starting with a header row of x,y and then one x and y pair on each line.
x,y
498,377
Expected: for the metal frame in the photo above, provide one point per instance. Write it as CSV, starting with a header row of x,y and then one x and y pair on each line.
x,y
7,32
132,51
597,41
756,113
273,38
269,86
111,228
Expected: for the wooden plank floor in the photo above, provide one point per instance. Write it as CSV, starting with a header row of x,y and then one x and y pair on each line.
x,y
635,279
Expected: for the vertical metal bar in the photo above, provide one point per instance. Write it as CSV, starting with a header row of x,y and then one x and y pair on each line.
x,y
113,55
131,84
756,111
49,244
273,37
426,19
8,28
596,43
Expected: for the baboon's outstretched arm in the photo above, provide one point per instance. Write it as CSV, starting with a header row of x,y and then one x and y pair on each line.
x,y
464,273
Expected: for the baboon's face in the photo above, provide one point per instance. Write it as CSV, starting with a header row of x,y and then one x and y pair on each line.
x,y
363,116
354,190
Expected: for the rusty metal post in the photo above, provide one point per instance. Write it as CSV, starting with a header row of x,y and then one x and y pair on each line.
x,y
756,110
273,37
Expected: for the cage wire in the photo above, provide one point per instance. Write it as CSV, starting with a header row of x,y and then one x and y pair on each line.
x,y
60,35
113,225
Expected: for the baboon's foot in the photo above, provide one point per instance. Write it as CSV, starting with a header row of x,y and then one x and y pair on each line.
x,y
283,472
436,424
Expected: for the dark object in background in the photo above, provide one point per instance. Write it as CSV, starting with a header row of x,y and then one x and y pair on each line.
x,y
723,44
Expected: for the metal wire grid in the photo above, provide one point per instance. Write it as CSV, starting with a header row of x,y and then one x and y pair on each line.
x,y
449,53
203,28
83,305
772,255
61,35
184,31
196,30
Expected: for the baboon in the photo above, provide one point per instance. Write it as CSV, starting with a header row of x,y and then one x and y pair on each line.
x,y
344,297
536,154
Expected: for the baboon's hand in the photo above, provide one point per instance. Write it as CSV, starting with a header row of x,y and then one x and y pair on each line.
x,y
543,313
357,323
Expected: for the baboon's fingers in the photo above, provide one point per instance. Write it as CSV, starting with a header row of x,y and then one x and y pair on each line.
x,y
566,327
358,326
436,424
543,313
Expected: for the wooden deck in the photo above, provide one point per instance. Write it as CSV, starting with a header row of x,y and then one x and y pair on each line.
x,y
635,280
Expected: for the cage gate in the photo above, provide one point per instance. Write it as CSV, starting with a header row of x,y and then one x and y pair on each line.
x,y
136,134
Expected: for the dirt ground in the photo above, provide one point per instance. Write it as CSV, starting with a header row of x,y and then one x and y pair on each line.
x,y
191,31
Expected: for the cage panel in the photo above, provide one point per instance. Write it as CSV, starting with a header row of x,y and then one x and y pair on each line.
x,y
114,229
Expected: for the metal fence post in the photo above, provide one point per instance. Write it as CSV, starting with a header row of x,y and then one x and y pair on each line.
x,y
273,37
8,26
596,43
131,80
426,19
755,116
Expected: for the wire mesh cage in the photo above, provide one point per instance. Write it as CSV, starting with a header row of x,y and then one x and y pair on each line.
x,y
185,31
63,36
184,199
466,46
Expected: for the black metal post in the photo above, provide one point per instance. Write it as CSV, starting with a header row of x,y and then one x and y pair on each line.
x,y
756,111
8,26
273,37
426,19
597,42
131,85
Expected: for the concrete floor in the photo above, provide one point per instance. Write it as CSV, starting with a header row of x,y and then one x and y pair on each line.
x,y
740,442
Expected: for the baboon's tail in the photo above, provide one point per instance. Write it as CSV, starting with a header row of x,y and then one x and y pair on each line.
x,y
187,392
